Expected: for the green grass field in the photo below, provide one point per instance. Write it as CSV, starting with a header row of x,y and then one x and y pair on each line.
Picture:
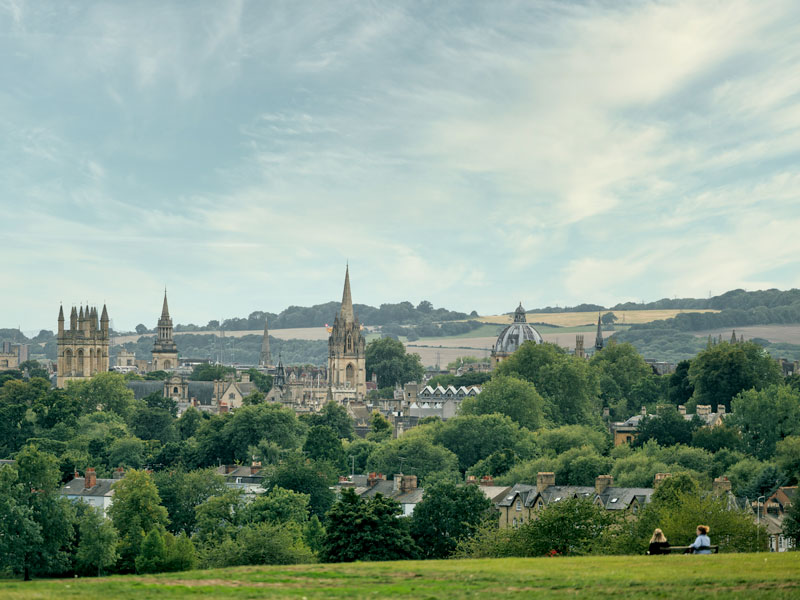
x,y
679,576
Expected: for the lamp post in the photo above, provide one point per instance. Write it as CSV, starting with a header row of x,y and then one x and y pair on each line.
x,y
758,519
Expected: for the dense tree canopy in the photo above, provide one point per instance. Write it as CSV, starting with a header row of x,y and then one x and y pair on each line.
x,y
387,358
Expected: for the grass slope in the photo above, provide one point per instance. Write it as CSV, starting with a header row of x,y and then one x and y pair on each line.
x,y
727,575
576,319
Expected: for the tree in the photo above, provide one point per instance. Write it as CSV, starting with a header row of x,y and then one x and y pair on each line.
x,y
667,427
34,369
136,510
36,522
250,424
561,439
188,422
261,544
508,396
322,443
107,392
126,452
571,526
153,555
448,514
16,397
722,371
361,529
181,492
412,454
209,372
387,358
278,506
765,417
155,424
679,387
379,428
624,367
97,549
474,437
609,318
307,477
791,524
787,456
335,416
141,328
262,381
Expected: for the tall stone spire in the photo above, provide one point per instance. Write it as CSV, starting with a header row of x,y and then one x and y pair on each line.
x,y
165,308
264,359
60,320
598,340
346,314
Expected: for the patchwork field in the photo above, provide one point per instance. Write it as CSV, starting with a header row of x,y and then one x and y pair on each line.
x,y
675,576
298,333
572,319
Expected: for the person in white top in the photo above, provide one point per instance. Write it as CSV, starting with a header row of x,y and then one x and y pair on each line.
x,y
702,544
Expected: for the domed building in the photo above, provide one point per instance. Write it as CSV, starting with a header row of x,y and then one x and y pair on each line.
x,y
513,336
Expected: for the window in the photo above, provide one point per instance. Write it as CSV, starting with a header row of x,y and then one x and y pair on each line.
x,y
231,396
613,500
519,504
515,522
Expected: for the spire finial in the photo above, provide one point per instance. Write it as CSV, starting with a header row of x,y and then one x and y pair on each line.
x,y
347,300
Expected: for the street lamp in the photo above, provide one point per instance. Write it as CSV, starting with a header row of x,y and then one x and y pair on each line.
x,y
758,518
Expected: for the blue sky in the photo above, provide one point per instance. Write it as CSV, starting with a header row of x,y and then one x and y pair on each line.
x,y
470,153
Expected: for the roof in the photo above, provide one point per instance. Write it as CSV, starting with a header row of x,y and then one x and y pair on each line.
x,y
617,498
521,489
77,487
145,388
493,492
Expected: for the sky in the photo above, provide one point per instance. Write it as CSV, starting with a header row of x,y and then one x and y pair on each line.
x,y
473,154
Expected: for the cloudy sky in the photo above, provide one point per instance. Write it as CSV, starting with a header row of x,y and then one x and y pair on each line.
x,y
471,153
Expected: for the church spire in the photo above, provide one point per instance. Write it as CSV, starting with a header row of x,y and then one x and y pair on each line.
x,y
347,300
598,340
265,359
165,308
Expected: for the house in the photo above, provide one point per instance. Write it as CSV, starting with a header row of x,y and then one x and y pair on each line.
x,y
523,501
249,479
624,432
91,490
402,488
774,510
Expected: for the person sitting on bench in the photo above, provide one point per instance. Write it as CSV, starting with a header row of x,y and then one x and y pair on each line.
x,y
702,544
658,543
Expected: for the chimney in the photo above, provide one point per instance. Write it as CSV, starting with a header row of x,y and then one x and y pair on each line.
x,y
487,480
255,467
644,411
682,409
721,485
373,478
471,479
230,468
119,473
606,412
703,410
602,482
91,478
408,483
720,409
660,477
544,481
397,481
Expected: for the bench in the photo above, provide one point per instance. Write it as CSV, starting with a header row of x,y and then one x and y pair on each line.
x,y
683,549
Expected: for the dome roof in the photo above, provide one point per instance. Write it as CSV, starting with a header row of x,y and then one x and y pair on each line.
x,y
513,336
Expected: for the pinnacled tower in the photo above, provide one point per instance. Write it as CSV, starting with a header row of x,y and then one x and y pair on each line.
x,y
165,351
346,345
264,359
83,348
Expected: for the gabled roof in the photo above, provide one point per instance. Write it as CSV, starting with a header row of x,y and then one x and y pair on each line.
x,y
77,487
521,490
618,498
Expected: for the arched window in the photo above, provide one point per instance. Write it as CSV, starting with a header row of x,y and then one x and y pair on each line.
x,y
167,364
68,366
79,368
174,390
350,375
349,345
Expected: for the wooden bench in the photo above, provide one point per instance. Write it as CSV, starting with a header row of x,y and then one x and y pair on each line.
x,y
683,549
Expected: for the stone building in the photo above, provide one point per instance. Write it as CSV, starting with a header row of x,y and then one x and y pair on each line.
x,y
513,336
83,348
165,351
9,357
346,349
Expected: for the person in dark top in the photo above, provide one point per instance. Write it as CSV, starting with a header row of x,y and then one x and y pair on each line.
x,y
658,543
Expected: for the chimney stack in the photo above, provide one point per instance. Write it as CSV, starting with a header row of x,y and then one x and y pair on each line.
x,y
720,409
487,480
721,485
602,482
660,477
544,481
644,411
408,483
682,409
119,473
91,478
471,479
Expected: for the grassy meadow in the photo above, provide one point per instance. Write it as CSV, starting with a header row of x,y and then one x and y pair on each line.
x,y
676,576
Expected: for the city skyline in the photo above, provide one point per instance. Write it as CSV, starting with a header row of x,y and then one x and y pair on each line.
x,y
469,155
